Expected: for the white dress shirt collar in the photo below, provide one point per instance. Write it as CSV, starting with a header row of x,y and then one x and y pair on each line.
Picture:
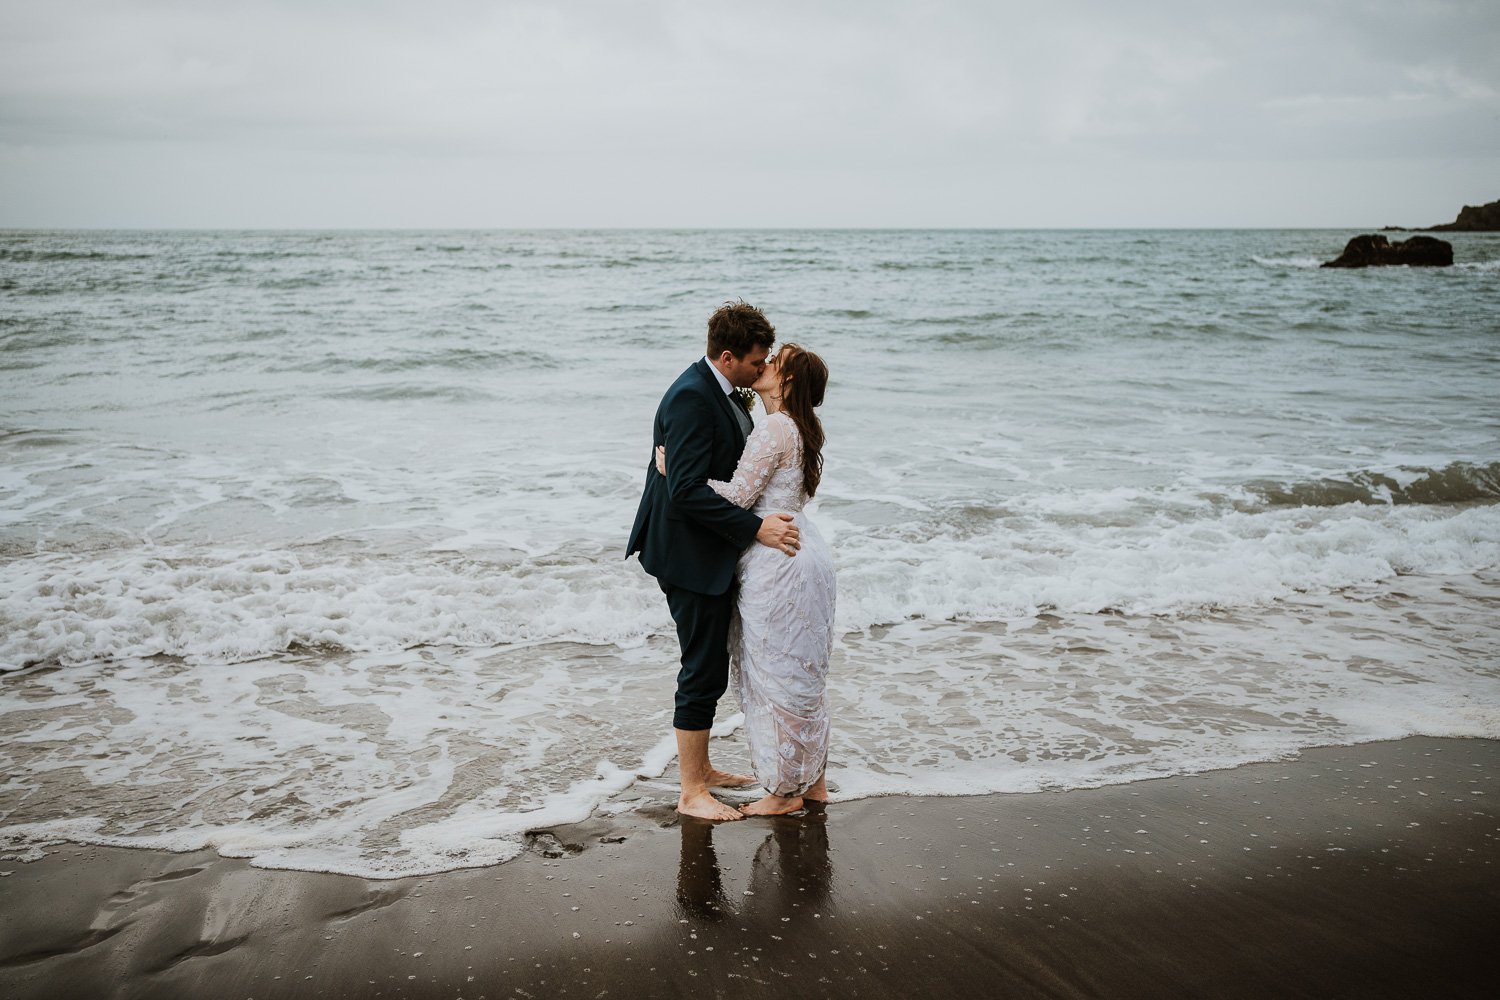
x,y
723,382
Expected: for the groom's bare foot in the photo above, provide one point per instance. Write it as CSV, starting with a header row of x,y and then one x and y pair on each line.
x,y
705,806
773,805
723,779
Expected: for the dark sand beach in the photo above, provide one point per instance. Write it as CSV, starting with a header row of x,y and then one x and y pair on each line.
x,y
1367,871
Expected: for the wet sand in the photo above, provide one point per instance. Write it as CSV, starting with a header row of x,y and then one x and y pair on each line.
x,y
1370,871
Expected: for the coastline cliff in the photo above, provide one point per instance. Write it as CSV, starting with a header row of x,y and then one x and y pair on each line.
x,y
1473,219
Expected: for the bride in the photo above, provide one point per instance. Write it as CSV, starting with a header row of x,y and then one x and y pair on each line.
x,y
782,633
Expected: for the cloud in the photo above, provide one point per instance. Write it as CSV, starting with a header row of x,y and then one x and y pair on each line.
x,y
688,109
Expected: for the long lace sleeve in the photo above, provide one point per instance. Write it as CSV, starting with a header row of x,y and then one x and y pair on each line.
x,y
770,446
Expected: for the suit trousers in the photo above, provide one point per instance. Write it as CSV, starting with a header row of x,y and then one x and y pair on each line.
x,y
703,633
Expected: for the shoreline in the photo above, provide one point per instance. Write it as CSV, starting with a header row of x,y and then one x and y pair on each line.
x,y
1369,870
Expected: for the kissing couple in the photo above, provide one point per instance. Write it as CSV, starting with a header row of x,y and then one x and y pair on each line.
x,y
748,578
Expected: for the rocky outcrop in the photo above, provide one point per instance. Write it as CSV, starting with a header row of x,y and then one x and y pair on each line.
x,y
1473,219
1374,251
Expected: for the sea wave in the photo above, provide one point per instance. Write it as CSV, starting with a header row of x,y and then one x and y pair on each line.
x,y
1314,262
1458,482
453,358
396,391
1018,566
229,606
974,318
26,254
924,265
1304,262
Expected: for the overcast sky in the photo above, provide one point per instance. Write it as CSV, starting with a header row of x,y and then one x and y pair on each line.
x,y
462,113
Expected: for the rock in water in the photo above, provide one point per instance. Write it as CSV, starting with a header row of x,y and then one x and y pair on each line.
x,y
1473,219
1375,250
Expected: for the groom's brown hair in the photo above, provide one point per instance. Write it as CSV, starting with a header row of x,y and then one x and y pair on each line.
x,y
737,327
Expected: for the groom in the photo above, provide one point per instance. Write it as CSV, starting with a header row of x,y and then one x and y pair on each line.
x,y
690,538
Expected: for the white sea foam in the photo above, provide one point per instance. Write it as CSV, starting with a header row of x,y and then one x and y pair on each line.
x,y
228,606
1301,262
379,767
1313,262
388,765
1154,566
234,606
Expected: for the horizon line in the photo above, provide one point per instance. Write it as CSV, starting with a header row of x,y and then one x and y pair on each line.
x,y
667,229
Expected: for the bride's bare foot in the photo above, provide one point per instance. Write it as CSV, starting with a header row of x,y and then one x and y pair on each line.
x,y
818,792
773,805
724,779
705,806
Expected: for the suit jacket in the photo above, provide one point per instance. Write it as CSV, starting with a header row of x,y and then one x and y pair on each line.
x,y
688,535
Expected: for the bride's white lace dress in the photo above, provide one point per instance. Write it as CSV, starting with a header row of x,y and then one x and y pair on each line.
x,y
782,635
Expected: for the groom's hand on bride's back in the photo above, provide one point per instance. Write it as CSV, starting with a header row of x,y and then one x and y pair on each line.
x,y
779,532
776,531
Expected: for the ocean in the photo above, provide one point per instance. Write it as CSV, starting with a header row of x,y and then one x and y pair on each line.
x,y
312,543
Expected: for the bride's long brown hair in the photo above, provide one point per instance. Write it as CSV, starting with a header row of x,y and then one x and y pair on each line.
x,y
804,378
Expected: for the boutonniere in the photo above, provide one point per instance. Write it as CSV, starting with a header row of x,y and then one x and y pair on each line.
x,y
746,398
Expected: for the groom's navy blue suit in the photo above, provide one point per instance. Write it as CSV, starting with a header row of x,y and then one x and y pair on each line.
x,y
690,538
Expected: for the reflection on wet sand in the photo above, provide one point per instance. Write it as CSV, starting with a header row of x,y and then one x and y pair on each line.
x,y
789,872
